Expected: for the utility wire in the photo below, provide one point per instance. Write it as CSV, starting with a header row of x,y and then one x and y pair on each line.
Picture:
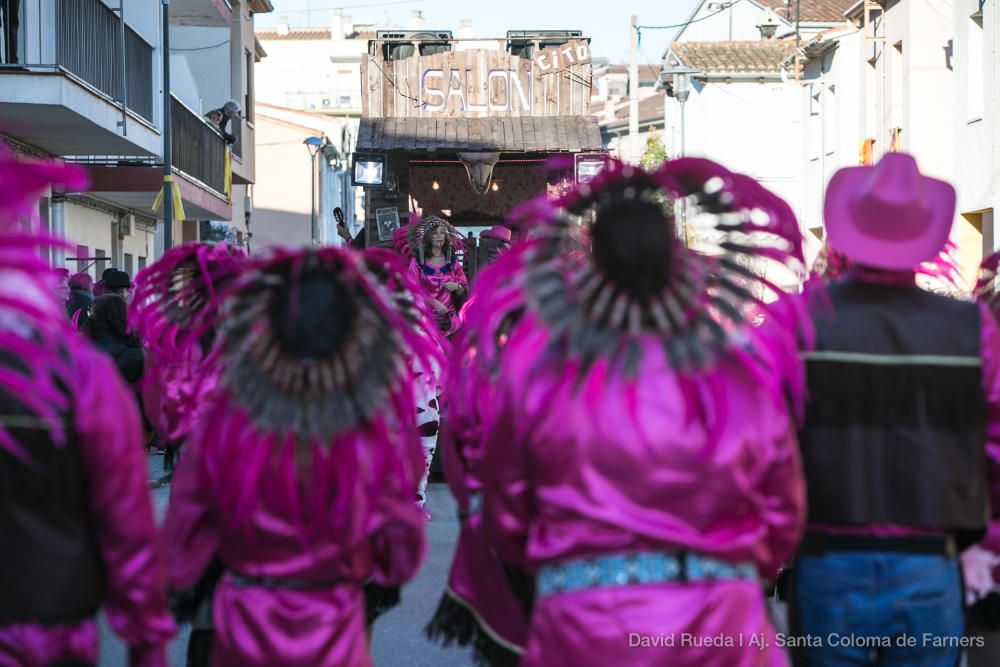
x,y
640,28
202,48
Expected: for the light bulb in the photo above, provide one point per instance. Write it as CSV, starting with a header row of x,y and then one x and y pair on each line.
x,y
435,185
495,186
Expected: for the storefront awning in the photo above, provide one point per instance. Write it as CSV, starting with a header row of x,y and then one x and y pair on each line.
x,y
525,134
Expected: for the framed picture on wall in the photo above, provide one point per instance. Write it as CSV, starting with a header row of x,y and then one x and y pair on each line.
x,y
387,220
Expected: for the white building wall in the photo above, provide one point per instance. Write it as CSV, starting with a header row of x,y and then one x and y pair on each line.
x,y
312,75
88,227
739,22
205,53
976,154
749,127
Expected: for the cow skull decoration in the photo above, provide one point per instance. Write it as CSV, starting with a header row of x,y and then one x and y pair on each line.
x,y
479,167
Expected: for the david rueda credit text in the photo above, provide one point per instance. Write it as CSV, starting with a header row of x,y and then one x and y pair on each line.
x,y
762,641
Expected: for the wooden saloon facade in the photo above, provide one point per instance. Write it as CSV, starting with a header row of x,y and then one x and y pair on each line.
x,y
466,127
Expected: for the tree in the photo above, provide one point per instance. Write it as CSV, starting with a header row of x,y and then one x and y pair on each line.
x,y
655,152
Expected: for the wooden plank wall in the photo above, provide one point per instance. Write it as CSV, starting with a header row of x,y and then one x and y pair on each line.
x,y
392,89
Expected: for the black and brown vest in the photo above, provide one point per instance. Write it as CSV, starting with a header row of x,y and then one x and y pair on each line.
x,y
894,431
51,570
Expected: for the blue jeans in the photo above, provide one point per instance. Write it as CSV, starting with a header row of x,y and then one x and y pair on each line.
x,y
856,609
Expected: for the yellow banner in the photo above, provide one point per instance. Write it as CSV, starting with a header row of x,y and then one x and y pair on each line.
x,y
176,197
228,170
865,152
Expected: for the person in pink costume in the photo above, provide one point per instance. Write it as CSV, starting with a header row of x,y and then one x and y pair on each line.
x,y
430,245
479,609
173,310
981,562
76,519
300,475
641,470
391,271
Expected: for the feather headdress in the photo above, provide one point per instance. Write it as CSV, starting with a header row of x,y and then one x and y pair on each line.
x,y
711,301
176,299
832,265
410,240
36,337
338,395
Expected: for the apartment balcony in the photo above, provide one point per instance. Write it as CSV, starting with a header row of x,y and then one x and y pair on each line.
x,y
199,155
203,13
81,82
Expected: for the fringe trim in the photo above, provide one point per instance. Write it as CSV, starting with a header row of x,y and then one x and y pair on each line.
x,y
379,600
455,622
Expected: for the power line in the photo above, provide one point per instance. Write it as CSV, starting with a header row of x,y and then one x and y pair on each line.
x,y
640,28
202,48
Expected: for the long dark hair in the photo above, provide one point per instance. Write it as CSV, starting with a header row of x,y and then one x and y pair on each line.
x,y
446,248
108,315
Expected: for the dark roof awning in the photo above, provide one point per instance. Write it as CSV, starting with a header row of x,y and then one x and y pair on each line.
x,y
524,134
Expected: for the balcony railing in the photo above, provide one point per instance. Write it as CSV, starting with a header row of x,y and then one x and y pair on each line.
x,y
88,44
199,150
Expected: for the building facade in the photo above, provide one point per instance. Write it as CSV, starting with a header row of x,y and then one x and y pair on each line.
x,y
294,184
95,98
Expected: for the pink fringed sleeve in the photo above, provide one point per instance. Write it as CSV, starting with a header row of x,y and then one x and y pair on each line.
x,y
780,497
990,341
508,503
112,456
398,545
190,532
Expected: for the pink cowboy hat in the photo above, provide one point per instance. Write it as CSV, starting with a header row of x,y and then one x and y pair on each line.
x,y
498,232
889,216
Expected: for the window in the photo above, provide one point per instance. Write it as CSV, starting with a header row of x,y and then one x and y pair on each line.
x,y
82,253
344,101
974,59
896,64
101,262
248,86
129,265
142,263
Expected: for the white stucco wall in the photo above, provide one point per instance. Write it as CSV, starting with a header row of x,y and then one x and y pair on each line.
x,y
91,228
976,155
749,127
742,17
302,74
206,52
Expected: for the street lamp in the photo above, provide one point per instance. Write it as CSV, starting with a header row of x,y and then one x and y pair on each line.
x,y
314,145
680,77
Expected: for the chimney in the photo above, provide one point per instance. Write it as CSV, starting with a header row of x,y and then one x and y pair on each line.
x,y
348,26
283,25
465,29
337,24
416,21
768,29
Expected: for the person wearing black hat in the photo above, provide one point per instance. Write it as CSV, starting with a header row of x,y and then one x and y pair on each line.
x,y
117,282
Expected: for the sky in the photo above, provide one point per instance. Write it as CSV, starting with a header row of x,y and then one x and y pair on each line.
x,y
605,21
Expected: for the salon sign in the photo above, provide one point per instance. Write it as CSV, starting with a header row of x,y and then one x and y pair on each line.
x,y
481,82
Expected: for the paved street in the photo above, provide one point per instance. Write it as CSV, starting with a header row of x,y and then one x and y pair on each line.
x,y
398,638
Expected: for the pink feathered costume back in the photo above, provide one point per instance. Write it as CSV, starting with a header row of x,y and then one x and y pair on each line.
x,y
618,430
